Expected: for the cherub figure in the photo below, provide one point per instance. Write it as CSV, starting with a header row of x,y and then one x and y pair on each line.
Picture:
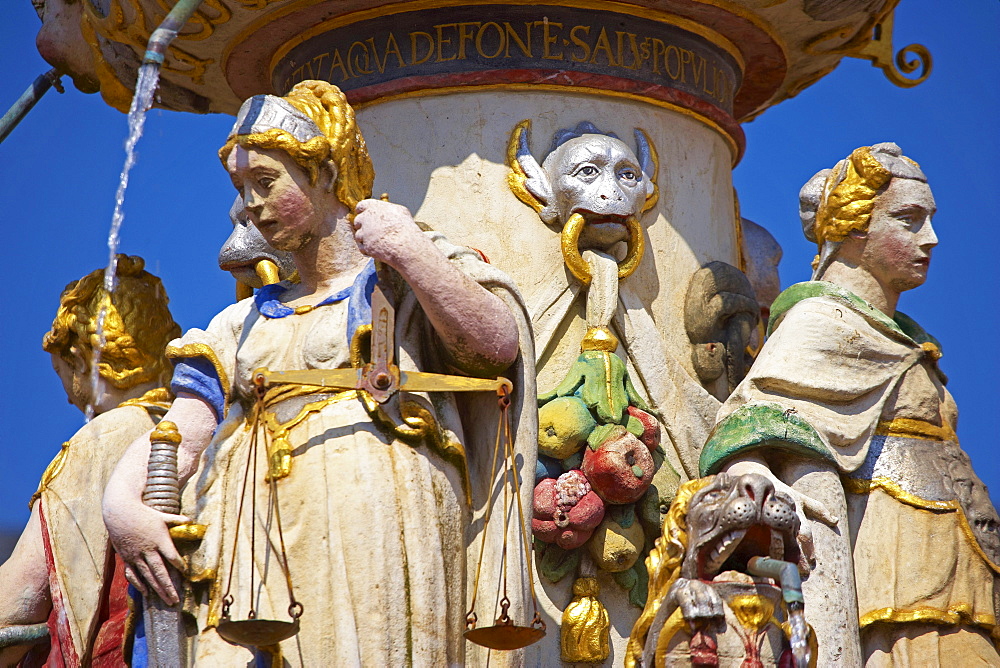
x,y
62,567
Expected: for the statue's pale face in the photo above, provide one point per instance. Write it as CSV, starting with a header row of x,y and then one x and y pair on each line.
x,y
598,175
75,377
278,198
76,382
900,235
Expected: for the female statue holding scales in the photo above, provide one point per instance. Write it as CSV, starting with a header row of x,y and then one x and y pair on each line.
x,y
376,525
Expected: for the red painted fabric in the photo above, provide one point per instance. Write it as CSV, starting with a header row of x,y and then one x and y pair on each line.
x,y
62,654
113,620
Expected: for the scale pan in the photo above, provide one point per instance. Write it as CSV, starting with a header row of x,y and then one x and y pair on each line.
x,y
505,636
257,632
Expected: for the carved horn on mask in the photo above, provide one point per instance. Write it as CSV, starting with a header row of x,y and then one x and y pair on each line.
x,y
650,165
526,179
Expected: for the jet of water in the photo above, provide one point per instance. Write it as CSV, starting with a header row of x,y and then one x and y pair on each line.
x,y
800,636
145,87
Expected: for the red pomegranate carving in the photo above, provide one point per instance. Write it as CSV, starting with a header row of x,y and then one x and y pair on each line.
x,y
566,510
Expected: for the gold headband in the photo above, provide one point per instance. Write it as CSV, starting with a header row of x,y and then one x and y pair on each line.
x,y
849,196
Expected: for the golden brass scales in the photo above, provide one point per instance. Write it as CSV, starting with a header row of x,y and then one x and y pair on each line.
x,y
504,634
381,379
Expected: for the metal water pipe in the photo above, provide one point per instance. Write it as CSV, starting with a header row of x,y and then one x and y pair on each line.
x,y
785,573
156,49
161,38
29,99
28,634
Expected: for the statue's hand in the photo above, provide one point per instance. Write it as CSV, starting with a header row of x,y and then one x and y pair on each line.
x,y
140,535
697,600
386,231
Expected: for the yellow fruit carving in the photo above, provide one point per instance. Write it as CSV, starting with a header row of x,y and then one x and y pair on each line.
x,y
616,548
563,426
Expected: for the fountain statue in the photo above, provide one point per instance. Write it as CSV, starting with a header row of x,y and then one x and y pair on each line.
x,y
63,568
845,410
404,465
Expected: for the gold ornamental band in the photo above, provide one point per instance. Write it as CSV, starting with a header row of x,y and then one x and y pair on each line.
x,y
51,471
202,350
279,451
910,428
893,489
156,401
954,615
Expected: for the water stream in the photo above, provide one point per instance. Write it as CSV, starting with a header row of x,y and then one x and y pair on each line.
x,y
142,100
800,637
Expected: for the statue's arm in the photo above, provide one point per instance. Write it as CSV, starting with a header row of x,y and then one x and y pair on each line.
x,y
474,325
24,578
139,533
25,598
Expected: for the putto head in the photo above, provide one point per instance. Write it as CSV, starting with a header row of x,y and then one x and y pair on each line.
x,y
137,326
838,201
314,125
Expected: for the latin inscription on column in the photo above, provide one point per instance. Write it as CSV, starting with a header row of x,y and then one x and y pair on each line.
x,y
485,45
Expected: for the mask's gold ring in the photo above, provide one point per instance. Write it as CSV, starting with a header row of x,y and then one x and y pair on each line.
x,y
570,242
636,248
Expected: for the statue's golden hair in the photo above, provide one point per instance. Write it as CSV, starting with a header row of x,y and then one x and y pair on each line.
x,y
849,196
341,142
137,325
664,565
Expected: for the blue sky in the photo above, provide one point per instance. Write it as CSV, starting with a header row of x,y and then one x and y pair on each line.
x,y
60,169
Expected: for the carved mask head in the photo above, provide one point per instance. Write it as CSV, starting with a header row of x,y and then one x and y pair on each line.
x,y
245,249
595,175
587,172
734,518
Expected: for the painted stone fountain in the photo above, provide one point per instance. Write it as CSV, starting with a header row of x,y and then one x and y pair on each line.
x,y
560,141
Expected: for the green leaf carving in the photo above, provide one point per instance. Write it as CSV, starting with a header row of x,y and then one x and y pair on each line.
x,y
554,562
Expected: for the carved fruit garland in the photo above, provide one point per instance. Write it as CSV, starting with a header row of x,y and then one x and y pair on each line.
x,y
600,466
599,455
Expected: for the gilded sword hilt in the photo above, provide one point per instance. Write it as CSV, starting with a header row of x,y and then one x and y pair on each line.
x,y
162,490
